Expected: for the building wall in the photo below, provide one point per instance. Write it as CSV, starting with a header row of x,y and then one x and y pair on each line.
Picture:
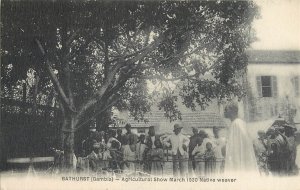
x,y
261,108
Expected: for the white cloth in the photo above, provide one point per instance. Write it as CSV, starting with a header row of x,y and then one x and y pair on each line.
x,y
218,145
177,141
200,150
240,155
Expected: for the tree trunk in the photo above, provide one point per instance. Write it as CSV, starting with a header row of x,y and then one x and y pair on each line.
x,y
68,142
103,120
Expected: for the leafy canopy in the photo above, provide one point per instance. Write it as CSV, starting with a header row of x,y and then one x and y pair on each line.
x,y
105,53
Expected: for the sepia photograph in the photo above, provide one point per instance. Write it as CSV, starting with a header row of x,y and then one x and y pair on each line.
x,y
150,94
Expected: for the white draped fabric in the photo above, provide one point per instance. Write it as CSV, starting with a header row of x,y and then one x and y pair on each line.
x,y
240,155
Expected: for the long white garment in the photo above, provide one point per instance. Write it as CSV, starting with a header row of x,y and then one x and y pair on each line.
x,y
240,155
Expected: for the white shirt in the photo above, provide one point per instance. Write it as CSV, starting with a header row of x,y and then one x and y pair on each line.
x,y
218,145
176,142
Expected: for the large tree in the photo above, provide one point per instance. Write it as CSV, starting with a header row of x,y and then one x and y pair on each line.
x,y
99,54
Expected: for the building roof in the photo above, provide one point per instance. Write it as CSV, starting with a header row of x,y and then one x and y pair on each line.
x,y
197,119
274,56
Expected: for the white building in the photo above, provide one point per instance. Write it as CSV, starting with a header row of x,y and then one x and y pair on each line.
x,y
274,88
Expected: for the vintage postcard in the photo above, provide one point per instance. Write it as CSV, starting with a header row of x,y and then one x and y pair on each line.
x,y
137,94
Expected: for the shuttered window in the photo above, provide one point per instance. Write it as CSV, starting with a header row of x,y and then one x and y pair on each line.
x,y
267,86
258,84
274,86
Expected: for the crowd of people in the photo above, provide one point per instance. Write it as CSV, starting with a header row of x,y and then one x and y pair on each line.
x,y
272,153
276,151
199,154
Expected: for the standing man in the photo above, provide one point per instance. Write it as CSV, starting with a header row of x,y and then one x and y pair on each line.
x,y
129,147
240,155
179,144
150,139
193,143
130,137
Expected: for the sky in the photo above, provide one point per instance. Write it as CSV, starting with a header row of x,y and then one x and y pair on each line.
x,y
279,25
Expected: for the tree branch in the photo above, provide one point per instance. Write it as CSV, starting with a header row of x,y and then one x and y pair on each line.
x,y
54,79
98,95
113,102
162,78
113,71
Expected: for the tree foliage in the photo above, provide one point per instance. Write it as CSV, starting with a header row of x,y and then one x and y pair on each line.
x,y
125,44
99,54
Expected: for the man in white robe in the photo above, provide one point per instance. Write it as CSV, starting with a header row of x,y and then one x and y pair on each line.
x,y
240,156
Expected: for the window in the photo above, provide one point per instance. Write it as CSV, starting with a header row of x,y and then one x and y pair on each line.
x,y
266,86
296,85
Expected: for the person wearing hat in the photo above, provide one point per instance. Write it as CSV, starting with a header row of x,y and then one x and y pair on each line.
x,y
179,144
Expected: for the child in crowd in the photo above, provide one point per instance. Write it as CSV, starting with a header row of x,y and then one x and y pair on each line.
x,y
157,158
140,149
198,154
210,159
